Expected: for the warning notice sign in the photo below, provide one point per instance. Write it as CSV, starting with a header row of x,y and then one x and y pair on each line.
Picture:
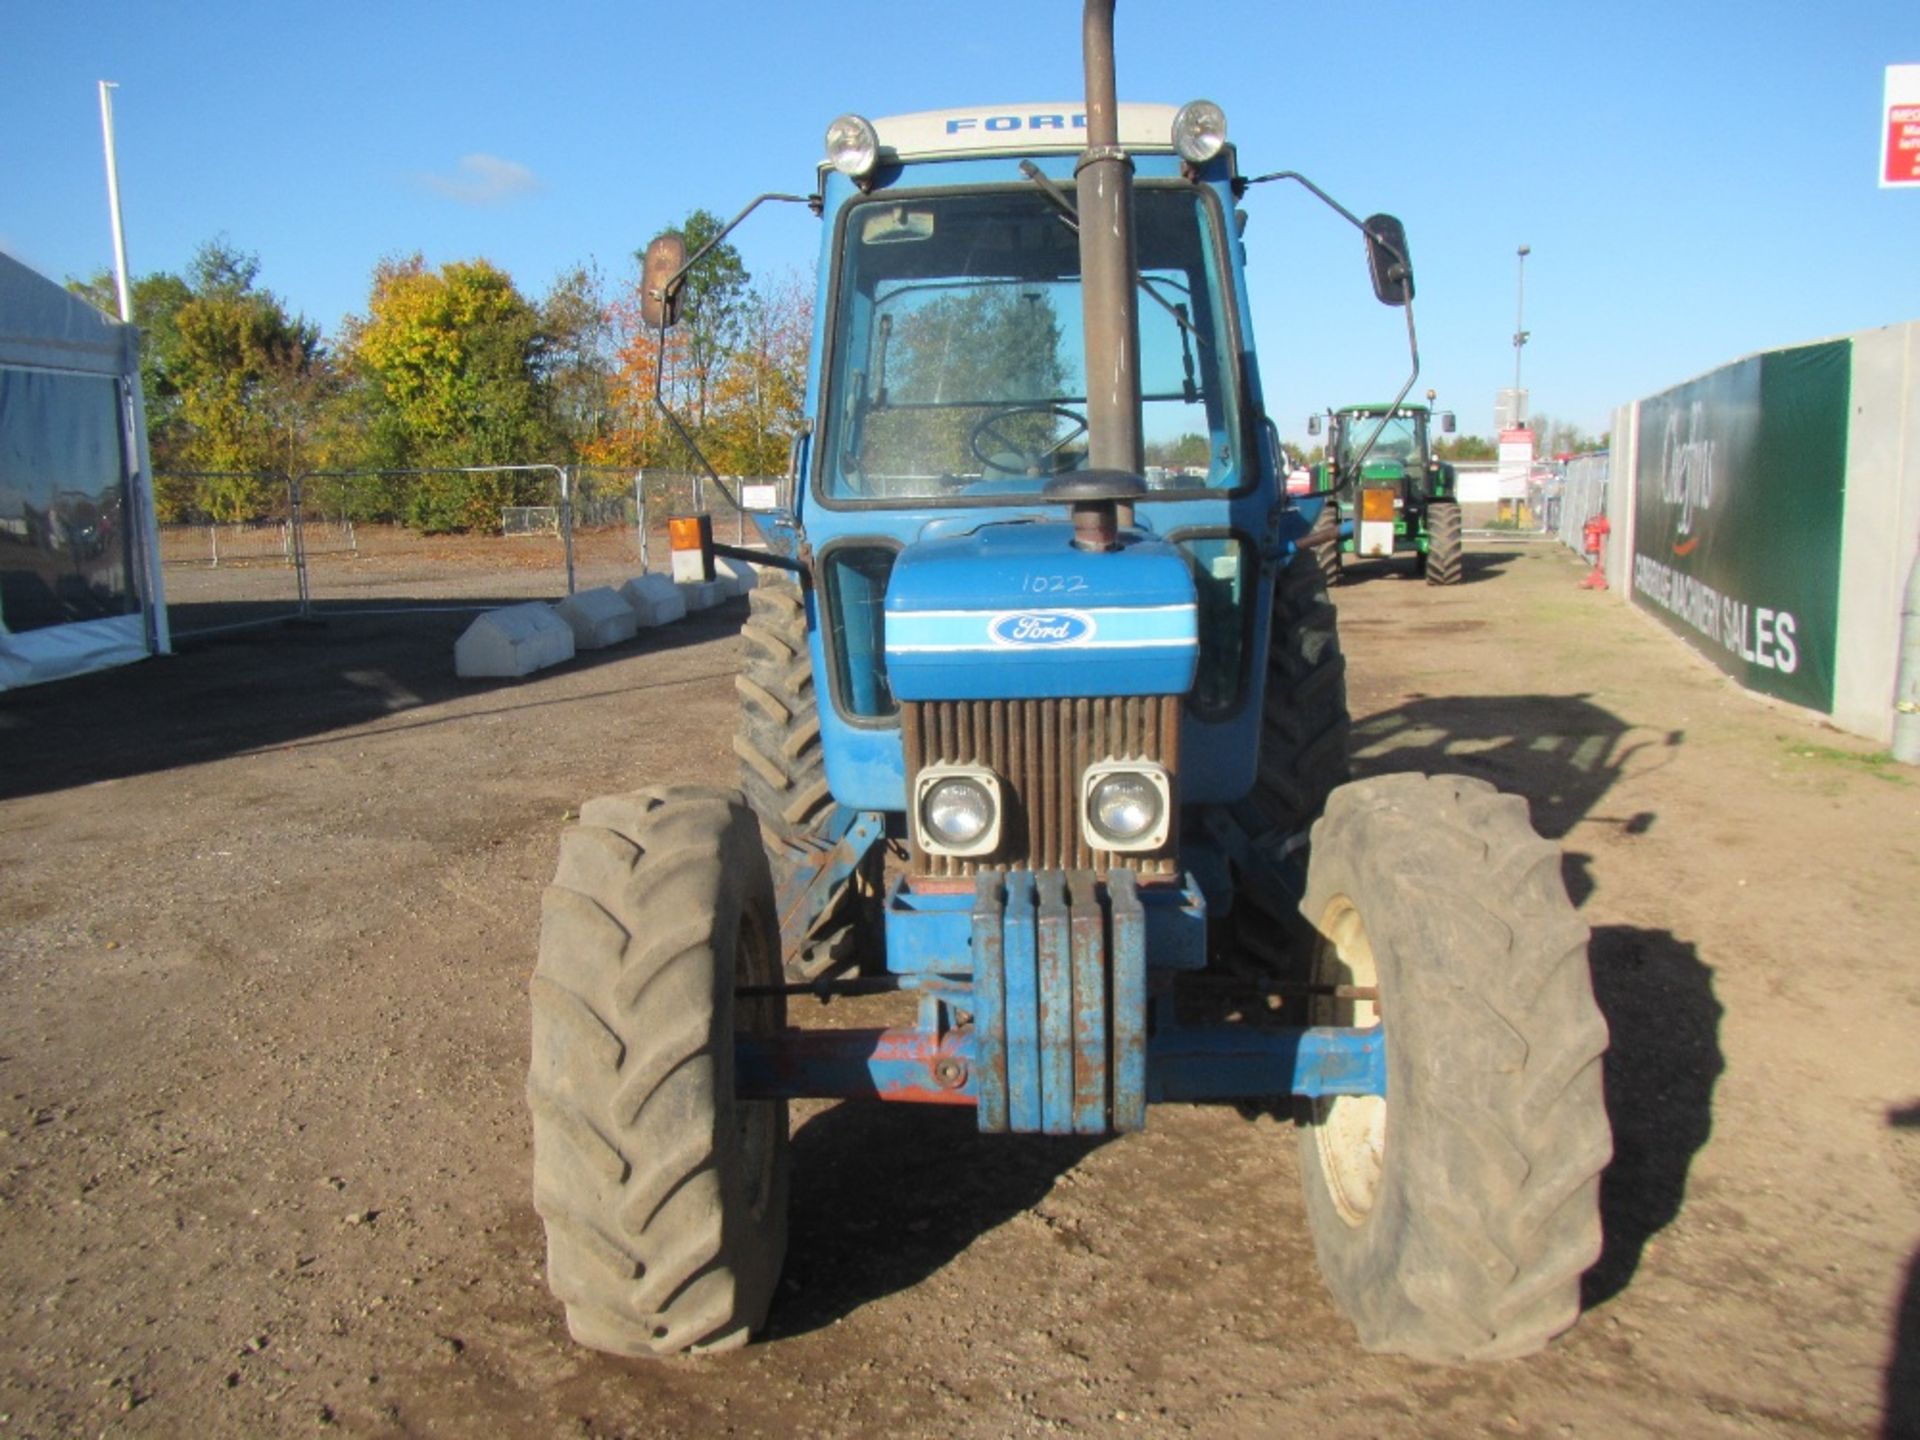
x,y
1900,134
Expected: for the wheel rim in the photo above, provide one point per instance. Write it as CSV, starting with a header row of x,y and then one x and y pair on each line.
x,y
756,1122
1350,1131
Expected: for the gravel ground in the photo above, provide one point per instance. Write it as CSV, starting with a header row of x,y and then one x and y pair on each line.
x,y
269,913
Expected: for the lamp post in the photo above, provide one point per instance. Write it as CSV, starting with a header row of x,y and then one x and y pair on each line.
x,y
1520,338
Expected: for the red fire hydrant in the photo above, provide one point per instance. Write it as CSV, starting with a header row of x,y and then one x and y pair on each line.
x,y
1593,540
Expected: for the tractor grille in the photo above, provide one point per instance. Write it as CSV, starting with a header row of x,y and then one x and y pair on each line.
x,y
1039,748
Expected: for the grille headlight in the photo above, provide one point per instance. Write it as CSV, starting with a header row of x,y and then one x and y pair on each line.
x,y
1199,131
853,146
957,810
1125,805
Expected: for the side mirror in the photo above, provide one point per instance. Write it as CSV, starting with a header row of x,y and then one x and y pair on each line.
x,y
665,258
1446,422
1313,425
1389,260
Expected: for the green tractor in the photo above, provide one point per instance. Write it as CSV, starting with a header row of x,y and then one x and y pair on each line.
x,y
1387,494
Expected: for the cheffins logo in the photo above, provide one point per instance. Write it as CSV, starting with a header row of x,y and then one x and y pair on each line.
x,y
1036,629
1686,474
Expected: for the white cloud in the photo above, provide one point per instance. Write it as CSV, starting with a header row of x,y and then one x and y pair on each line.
x,y
484,180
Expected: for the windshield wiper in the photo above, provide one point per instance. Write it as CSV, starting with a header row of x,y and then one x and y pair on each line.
x,y
1064,203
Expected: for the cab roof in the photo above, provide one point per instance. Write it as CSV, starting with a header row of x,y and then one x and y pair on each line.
x,y
1379,407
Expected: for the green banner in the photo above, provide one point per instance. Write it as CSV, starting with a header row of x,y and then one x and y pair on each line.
x,y
1739,489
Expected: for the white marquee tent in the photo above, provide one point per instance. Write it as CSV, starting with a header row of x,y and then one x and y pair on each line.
x,y
80,581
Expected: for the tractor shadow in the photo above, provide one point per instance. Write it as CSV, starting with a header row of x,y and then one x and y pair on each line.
x,y
1901,1409
886,1195
1563,753
1661,1068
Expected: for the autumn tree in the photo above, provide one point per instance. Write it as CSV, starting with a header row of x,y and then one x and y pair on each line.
x,y
759,399
634,433
157,299
715,299
577,357
450,363
733,370
231,383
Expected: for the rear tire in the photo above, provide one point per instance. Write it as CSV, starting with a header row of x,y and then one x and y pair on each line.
x,y
1444,543
664,1197
783,773
1454,1215
1324,541
1303,756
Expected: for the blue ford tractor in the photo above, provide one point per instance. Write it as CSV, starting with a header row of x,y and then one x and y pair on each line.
x,y
1058,754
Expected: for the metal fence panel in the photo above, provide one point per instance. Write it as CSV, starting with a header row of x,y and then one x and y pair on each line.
x,y
432,539
224,573
1581,495
637,503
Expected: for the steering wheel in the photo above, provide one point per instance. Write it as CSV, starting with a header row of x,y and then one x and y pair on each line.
x,y
990,444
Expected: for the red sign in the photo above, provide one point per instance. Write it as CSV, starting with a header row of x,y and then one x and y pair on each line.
x,y
1903,145
1900,136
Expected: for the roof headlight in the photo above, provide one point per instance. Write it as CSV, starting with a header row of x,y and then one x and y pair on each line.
x,y
853,146
1199,131
957,810
1125,805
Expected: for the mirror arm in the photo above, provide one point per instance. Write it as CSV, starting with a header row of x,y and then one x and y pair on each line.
x,y
1345,214
660,337
1413,343
1326,199
673,281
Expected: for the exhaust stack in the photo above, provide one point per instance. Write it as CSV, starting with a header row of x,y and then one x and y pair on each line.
x,y
1108,270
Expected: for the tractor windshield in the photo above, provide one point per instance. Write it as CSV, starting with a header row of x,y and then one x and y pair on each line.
x,y
957,369
1401,442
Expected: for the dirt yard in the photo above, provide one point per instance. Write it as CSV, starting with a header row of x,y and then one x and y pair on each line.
x,y
269,913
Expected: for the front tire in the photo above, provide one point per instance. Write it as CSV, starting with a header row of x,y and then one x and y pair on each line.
x,y
664,1197
783,774
1444,543
1454,1216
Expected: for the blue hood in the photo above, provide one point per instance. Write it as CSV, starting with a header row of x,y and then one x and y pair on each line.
x,y
1015,612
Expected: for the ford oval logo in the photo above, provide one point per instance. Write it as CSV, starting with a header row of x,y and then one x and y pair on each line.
x,y
1033,628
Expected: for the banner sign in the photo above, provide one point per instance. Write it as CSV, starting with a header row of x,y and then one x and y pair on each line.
x,y
1740,484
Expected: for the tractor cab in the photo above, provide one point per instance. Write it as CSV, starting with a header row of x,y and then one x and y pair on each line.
x,y
949,483
1399,454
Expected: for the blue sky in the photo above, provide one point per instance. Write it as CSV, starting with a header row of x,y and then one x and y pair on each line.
x,y
1696,180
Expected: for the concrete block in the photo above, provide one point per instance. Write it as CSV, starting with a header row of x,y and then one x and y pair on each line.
x,y
599,618
654,599
705,594
738,575
517,640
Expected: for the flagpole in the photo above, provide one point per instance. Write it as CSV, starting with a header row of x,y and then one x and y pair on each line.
x,y
113,204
